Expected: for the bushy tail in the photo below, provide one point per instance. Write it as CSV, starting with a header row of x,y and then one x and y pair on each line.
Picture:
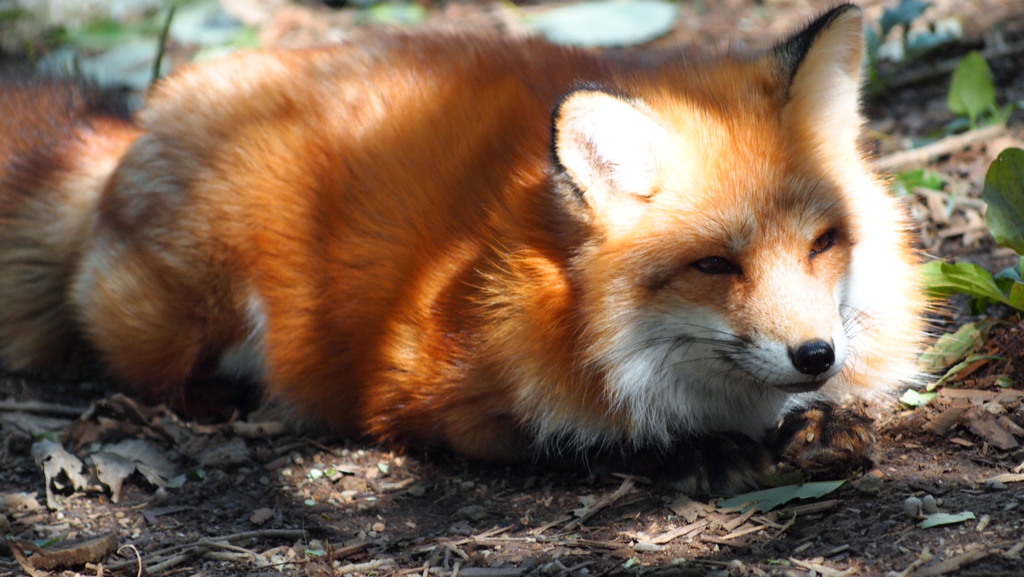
x,y
59,143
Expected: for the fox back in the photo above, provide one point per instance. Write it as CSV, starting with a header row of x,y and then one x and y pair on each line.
x,y
496,244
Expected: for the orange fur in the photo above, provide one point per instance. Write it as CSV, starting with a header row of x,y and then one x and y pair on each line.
x,y
389,235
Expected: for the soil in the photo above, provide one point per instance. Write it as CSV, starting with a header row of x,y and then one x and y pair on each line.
x,y
227,498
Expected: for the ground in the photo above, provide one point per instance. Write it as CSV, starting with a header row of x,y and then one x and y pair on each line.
x,y
227,498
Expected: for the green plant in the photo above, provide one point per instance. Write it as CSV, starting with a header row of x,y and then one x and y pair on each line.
x,y
1004,193
972,92
905,181
911,46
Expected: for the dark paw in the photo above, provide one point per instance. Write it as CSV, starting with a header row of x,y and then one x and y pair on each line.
x,y
826,441
711,464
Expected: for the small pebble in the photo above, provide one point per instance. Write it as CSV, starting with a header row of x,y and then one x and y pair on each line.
x,y
928,505
995,485
471,513
870,485
912,507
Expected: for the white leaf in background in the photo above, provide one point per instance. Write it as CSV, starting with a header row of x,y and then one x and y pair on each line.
x,y
606,23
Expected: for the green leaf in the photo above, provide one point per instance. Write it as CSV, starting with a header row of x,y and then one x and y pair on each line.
x,y
1004,193
906,12
906,181
953,347
972,90
944,279
769,499
606,22
403,13
959,367
937,519
912,398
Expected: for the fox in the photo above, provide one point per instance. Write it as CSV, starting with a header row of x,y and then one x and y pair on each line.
x,y
491,244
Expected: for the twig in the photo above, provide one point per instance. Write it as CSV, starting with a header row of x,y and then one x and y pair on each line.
x,y
161,46
910,77
810,508
733,523
743,532
974,553
626,486
42,408
364,567
169,557
679,532
336,554
929,152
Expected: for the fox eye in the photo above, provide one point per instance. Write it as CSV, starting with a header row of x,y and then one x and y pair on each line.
x,y
716,265
823,242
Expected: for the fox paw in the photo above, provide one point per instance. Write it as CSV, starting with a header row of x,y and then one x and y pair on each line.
x,y
716,464
826,441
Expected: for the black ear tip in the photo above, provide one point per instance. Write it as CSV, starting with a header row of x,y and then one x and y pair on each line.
x,y
791,52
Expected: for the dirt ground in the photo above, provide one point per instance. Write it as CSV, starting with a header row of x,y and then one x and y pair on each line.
x,y
231,498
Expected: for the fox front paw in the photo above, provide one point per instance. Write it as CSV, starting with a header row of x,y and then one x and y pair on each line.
x,y
716,464
826,441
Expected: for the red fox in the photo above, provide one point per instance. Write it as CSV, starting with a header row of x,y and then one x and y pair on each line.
x,y
492,244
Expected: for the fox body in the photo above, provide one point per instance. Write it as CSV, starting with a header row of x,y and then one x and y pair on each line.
x,y
487,243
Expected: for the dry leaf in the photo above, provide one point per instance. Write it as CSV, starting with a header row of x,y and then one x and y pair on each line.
x,y
63,471
985,425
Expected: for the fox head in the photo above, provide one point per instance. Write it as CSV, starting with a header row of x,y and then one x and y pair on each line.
x,y
742,257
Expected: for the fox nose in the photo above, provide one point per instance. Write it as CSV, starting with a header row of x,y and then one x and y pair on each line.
x,y
813,357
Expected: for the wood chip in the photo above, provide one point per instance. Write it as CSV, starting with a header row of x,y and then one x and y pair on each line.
x,y
955,563
985,425
588,512
679,532
944,421
820,568
68,554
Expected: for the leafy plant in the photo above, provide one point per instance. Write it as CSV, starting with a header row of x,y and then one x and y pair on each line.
x,y
904,182
1004,193
972,92
911,46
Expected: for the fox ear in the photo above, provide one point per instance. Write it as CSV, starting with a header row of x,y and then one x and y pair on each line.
x,y
822,63
610,150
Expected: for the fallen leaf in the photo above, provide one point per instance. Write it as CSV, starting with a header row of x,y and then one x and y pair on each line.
x,y
62,471
944,421
112,470
768,499
689,509
938,519
233,452
987,426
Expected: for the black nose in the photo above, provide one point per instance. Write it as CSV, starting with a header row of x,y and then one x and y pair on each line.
x,y
813,357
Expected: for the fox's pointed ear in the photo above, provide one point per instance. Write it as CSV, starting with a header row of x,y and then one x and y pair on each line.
x,y
823,66
609,148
